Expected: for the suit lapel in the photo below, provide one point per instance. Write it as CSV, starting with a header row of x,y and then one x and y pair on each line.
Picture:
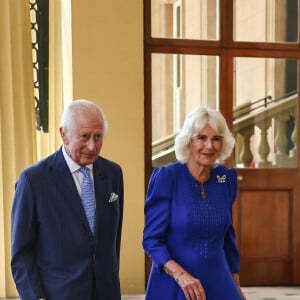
x,y
101,191
64,182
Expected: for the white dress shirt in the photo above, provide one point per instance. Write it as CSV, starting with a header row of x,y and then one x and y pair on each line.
x,y
74,169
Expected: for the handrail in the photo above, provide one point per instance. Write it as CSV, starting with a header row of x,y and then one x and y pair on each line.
x,y
246,108
163,144
279,105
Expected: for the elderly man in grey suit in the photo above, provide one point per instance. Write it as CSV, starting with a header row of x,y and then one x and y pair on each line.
x,y
67,216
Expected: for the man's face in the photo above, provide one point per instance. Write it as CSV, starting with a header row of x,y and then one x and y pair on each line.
x,y
83,144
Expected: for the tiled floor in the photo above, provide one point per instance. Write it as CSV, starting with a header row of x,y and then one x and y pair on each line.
x,y
254,293
272,293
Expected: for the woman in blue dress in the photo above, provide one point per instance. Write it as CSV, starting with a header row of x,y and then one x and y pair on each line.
x,y
188,233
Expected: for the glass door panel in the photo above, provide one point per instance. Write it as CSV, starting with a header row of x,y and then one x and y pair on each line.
x,y
192,19
179,84
266,21
264,116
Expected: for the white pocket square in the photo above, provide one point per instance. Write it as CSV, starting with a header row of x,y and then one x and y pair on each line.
x,y
113,197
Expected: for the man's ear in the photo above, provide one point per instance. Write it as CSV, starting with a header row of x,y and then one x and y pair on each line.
x,y
63,135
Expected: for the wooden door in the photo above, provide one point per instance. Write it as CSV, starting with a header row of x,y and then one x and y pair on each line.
x,y
267,226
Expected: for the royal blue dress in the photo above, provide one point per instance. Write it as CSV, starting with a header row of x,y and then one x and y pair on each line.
x,y
196,233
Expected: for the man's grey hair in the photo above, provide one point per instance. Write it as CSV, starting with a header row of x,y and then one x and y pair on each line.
x,y
68,120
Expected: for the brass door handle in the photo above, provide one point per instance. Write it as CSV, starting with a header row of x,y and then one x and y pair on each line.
x,y
240,177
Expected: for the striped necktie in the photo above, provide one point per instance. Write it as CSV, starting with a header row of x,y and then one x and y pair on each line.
x,y
88,196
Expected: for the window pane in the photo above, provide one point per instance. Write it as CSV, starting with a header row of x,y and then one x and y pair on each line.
x,y
179,84
186,19
266,21
265,120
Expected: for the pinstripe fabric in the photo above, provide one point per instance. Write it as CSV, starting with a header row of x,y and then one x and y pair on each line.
x,y
54,253
88,197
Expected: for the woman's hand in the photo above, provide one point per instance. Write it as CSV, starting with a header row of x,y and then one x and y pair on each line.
x,y
191,286
236,279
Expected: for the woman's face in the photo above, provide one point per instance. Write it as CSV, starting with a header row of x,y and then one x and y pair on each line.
x,y
205,146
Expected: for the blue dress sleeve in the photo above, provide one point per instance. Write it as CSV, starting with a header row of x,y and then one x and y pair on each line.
x,y
157,216
230,246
